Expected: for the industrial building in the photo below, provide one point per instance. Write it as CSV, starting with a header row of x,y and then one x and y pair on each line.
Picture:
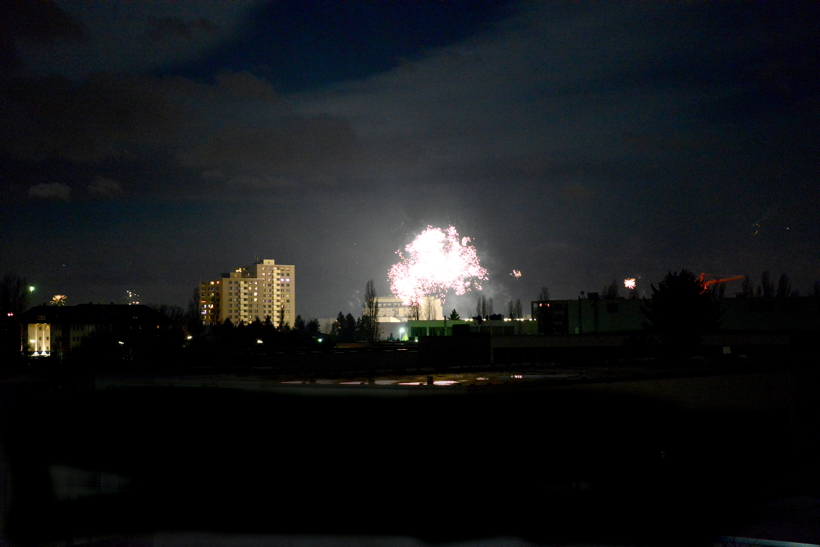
x,y
263,289
394,310
594,315
597,328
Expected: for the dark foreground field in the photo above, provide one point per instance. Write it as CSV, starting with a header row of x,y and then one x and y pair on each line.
x,y
652,461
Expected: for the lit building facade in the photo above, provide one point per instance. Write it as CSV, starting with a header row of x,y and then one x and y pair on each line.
x,y
257,291
393,310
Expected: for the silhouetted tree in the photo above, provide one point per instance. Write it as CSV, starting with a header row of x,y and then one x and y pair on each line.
x,y
816,289
363,328
299,324
349,331
454,316
338,327
717,290
784,287
482,309
514,309
270,336
747,289
429,309
173,338
174,313
544,295
313,328
371,311
14,294
415,311
193,319
225,334
611,291
766,287
680,311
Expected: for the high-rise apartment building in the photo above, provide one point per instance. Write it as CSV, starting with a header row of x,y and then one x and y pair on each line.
x,y
260,290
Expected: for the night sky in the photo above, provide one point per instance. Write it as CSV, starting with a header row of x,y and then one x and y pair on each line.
x,y
146,146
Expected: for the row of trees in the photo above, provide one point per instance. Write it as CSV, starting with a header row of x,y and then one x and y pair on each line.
x,y
261,333
14,294
484,308
347,328
767,288
680,312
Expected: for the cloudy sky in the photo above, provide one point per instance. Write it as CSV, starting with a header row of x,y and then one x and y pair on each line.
x,y
145,146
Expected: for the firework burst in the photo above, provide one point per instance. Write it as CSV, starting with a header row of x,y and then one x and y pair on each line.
x,y
435,262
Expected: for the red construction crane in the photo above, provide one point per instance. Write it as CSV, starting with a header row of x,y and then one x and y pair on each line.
x,y
702,279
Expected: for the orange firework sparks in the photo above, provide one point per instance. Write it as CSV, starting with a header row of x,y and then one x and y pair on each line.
x,y
516,273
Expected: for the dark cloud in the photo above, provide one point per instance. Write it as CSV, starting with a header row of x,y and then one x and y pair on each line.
x,y
162,28
105,188
50,190
77,39
105,116
41,22
283,153
236,129
574,142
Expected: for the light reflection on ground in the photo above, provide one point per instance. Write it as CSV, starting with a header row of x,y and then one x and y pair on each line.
x,y
260,380
434,380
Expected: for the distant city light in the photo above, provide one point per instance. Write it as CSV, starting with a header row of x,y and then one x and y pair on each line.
x,y
436,261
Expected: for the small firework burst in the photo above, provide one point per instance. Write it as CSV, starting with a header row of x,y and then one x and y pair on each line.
x,y
516,273
629,283
132,298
